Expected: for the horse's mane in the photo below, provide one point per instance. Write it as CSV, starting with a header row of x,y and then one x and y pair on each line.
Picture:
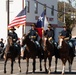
x,y
65,44
9,40
28,42
49,45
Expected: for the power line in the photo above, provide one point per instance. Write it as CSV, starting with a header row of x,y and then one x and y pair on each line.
x,y
47,6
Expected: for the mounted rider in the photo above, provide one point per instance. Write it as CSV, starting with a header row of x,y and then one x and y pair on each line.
x,y
66,35
49,34
33,35
13,34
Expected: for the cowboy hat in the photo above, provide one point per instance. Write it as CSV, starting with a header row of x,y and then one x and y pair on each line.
x,y
33,24
49,26
12,28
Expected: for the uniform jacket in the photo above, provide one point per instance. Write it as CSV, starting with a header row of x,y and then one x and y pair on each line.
x,y
66,33
33,33
50,33
13,35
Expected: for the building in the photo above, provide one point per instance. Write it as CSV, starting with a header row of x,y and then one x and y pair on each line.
x,y
34,10
74,32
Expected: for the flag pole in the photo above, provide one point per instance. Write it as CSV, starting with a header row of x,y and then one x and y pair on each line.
x,y
7,16
22,25
43,23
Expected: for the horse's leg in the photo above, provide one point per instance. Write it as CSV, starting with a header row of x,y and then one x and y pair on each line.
x,y
34,63
56,60
49,69
12,66
45,64
5,62
40,64
27,60
19,63
63,63
63,69
70,60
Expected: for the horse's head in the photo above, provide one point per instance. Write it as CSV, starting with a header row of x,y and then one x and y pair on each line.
x,y
47,44
65,43
10,40
61,40
25,39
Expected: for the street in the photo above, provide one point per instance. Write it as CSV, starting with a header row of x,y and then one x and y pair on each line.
x,y
38,72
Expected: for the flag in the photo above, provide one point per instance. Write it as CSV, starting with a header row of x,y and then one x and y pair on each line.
x,y
45,23
20,19
40,23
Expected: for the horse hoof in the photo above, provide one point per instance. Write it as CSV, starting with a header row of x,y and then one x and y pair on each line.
x,y
11,72
33,71
41,69
4,71
62,73
55,71
20,71
49,72
46,71
26,72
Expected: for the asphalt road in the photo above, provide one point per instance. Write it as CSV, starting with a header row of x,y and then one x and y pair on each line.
x,y
38,72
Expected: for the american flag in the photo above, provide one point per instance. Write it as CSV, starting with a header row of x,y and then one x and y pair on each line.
x,y
20,19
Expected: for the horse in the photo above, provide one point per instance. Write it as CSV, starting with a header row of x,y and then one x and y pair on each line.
x,y
10,53
65,53
31,51
48,53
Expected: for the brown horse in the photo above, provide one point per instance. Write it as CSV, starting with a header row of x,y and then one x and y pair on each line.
x,y
48,53
31,51
65,54
11,52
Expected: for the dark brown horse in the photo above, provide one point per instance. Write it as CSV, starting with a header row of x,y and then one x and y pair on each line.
x,y
66,53
48,53
31,51
11,52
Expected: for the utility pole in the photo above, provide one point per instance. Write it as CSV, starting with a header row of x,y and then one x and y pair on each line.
x,y
22,25
8,6
64,12
8,12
